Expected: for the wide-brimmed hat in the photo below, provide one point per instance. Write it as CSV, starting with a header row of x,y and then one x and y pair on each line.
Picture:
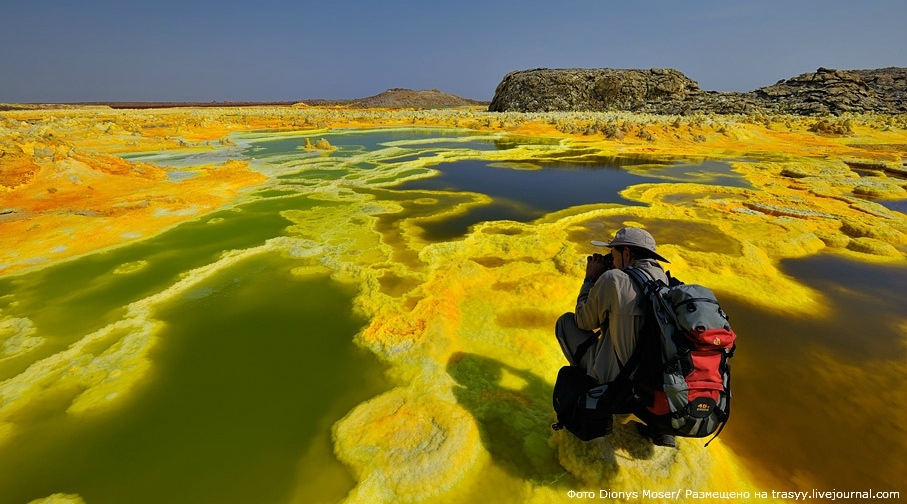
x,y
633,237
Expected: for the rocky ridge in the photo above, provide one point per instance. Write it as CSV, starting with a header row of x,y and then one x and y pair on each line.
x,y
668,91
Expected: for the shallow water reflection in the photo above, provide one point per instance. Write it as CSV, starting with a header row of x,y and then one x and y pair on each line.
x,y
527,194
821,399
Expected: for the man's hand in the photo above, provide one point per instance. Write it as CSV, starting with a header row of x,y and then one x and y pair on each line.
x,y
596,264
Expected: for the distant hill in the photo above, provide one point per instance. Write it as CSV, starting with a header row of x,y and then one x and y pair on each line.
x,y
407,98
138,105
392,98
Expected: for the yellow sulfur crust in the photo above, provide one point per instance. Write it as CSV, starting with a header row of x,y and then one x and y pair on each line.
x,y
466,325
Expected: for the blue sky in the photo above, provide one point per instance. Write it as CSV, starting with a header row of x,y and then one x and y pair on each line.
x,y
266,50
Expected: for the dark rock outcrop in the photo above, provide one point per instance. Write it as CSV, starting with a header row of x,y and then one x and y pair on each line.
x,y
668,91
837,91
547,90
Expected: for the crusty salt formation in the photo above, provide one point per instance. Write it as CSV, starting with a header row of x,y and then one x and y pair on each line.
x,y
407,447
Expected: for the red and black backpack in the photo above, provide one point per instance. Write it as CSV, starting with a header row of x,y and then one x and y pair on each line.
x,y
683,379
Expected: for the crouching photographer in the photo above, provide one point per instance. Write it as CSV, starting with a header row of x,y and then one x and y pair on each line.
x,y
601,335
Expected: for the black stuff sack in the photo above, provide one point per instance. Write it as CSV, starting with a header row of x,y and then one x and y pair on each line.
x,y
580,404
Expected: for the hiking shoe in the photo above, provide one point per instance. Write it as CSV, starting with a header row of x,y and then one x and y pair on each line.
x,y
658,439
664,440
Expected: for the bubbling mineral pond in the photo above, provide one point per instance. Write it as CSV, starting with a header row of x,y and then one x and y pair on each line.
x,y
208,306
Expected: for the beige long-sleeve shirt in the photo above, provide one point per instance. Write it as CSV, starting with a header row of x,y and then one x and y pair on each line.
x,y
610,303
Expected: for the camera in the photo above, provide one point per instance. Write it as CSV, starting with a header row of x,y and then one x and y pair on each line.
x,y
609,262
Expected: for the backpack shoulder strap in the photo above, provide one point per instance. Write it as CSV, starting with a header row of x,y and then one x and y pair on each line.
x,y
583,347
651,286
641,279
651,333
630,366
